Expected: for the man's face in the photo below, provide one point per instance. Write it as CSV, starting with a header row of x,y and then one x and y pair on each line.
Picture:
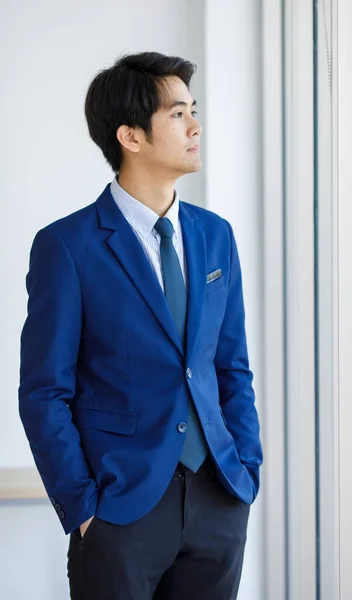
x,y
175,144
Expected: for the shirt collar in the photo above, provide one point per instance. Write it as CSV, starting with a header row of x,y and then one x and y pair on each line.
x,y
141,217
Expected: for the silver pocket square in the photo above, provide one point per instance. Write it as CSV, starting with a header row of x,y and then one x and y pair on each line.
x,y
213,275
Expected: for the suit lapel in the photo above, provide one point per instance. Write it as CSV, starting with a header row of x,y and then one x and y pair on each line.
x,y
195,251
126,247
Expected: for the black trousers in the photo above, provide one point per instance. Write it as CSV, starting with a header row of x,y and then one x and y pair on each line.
x,y
190,546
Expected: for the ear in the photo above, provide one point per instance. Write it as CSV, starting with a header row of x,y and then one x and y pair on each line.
x,y
128,138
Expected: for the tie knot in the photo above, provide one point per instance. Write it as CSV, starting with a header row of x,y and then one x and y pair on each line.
x,y
164,227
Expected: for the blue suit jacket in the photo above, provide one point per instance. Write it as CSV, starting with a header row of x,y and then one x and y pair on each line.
x,y
104,379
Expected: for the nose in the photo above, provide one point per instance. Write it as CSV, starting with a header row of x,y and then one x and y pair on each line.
x,y
196,128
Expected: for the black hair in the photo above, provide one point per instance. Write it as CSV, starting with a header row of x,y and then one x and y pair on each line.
x,y
129,93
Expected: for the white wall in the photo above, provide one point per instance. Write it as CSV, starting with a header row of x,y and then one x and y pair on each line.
x,y
234,188
50,167
343,278
33,552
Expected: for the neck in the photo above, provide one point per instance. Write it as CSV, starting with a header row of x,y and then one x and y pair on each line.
x,y
158,195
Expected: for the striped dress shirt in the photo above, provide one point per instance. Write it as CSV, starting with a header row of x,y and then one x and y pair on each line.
x,y
142,220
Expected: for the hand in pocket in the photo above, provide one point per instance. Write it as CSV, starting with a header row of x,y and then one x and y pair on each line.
x,y
83,528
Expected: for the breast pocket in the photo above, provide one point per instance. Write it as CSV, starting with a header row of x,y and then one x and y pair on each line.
x,y
214,285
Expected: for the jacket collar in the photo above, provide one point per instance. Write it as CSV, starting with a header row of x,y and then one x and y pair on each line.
x,y
126,247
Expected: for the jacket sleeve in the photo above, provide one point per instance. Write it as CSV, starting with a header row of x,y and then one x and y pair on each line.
x,y
236,393
49,348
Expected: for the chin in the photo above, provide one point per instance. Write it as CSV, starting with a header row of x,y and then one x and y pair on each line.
x,y
186,168
193,167
196,168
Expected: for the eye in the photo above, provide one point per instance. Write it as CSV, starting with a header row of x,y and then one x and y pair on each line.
x,y
194,113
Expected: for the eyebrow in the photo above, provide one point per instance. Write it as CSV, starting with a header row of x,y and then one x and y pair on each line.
x,y
180,103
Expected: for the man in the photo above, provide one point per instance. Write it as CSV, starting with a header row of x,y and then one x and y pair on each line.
x,y
135,389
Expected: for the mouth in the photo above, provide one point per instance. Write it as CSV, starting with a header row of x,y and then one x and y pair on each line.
x,y
194,149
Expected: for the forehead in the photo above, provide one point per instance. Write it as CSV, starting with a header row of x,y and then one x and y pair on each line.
x,y
173,89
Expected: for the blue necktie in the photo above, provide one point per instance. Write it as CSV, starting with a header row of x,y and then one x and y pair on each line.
x,y
195,447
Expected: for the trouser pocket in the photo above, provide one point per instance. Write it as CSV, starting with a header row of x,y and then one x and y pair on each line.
x,y
91,526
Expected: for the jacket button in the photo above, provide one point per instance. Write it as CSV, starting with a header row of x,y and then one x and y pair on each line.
x,y
58,506
189,373
61,514
52,500
182,427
